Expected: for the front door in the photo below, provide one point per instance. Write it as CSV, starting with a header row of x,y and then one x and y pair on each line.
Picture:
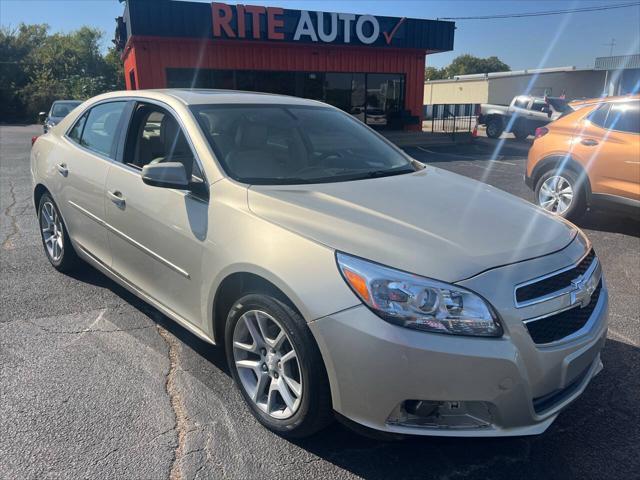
x,y
156,234
83,167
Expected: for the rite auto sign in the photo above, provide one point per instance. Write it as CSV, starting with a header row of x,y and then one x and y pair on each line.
x,y
250,22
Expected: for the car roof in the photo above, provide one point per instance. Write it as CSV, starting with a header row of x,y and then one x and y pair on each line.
x,y
620,98
208,96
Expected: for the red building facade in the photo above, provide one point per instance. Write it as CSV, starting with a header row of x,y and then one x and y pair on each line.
x,y
371,67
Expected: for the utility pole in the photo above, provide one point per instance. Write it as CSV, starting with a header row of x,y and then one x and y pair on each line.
x,y
611,44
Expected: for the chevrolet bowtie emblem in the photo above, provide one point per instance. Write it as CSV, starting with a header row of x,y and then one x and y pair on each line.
x,y
583,290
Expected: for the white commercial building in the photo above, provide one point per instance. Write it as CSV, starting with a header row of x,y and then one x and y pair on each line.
x,y
617,75
501,87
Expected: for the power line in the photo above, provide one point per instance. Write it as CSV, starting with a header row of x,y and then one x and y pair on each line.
x,y
547,12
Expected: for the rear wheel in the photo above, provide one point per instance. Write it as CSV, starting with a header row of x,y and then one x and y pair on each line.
x,y
55,238
494,127
277,366
561,193
520,132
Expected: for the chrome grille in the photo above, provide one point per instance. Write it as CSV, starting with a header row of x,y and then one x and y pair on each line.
x,y
556,327
552,285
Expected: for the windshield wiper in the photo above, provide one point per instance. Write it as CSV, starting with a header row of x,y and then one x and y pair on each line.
x,y
389,172
277,181
329,179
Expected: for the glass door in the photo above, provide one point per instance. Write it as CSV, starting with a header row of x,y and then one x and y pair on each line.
x,y
385,98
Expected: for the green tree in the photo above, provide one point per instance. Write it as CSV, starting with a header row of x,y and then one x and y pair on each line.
x,y
466,65
47,67
433,73
114,70
16,46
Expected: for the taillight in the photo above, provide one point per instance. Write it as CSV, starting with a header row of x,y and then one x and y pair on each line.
x,y
541,132
33,139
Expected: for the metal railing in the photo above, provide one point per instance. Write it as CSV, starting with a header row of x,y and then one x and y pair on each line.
x,y
451,118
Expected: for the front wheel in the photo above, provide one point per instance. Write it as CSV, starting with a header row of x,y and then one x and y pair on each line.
x,y
561,193
277,366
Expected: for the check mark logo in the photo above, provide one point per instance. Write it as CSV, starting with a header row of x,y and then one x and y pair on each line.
x,y
389,36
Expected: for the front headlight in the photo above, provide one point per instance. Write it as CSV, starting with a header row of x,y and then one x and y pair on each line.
x,y
416,302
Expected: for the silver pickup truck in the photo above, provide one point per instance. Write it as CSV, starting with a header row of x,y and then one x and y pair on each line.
x,y
521,117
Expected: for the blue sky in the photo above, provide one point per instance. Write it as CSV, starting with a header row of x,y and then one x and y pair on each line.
x,y
549,41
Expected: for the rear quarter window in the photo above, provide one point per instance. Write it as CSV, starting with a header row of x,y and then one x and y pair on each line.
x,y
76,132
101,128
624,117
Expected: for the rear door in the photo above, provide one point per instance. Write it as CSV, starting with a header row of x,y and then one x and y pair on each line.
x,y
89,149
622,148
156,234
608,145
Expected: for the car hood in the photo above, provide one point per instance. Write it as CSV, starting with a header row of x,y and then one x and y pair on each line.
x,y
432,222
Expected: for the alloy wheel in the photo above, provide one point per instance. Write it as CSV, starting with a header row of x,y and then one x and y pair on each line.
x,y
556,195
52,231
267,364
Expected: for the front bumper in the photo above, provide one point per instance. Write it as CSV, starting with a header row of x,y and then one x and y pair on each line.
x,y
374,367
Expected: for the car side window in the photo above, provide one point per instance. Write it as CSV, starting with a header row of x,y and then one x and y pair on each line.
x,y
599,115
155,136
76,132
624,117
100,128
539,106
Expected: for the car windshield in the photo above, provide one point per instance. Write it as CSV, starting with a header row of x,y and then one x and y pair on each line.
x,y
62,109
284,144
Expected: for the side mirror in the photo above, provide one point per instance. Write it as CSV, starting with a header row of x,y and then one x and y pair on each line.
x,y
166,175
42,116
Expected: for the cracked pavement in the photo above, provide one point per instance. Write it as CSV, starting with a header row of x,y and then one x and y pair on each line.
x,y
94,383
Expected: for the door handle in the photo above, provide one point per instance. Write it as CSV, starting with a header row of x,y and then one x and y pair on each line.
x,y
117,198
62,169
589,142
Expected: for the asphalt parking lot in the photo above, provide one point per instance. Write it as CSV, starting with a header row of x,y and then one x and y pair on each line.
x,y
96,384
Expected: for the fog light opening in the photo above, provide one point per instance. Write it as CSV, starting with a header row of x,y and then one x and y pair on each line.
x,y
450,414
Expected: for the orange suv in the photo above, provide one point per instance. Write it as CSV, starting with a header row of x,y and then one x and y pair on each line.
x,y
588,157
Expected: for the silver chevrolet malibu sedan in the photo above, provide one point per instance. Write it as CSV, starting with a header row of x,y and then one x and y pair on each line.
x,y
342,277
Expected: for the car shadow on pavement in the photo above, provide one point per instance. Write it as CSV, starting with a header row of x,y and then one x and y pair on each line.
x,y
211,353
611,221
607,414
573,447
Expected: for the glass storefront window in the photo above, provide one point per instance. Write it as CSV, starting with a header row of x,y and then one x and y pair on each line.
x,y
337,90
358,96
310,85
245,80
374,98
223,79
384,97
283,83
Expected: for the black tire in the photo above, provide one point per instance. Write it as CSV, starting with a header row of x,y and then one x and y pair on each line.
x,y
68,259
520,132
578,206
495,127
315,411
